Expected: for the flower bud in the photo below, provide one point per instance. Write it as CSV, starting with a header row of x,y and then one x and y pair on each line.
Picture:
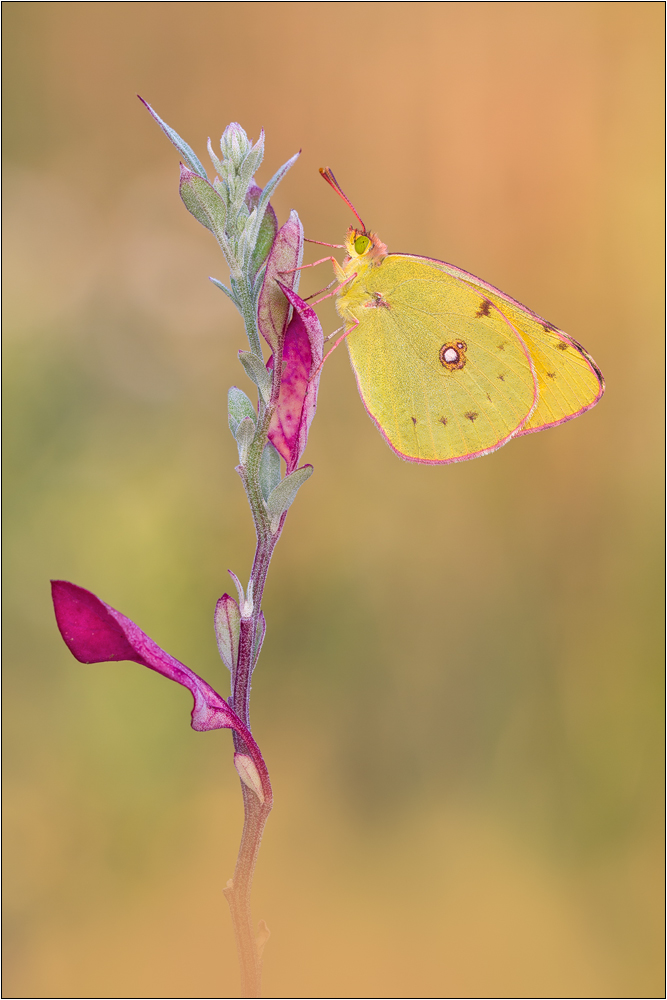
x,y
235,144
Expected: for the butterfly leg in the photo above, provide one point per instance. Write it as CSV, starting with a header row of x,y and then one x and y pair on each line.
x,y
329,353
335,291
314,264
325,289
336,246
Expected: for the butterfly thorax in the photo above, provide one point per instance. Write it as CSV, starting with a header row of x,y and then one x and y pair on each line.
x,y
364,252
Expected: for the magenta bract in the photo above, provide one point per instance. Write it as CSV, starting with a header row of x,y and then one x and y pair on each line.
x,y
95,632
272,308
302,358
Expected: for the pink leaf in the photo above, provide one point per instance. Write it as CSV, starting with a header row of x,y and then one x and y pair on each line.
x,y
297,402
273,308
96,632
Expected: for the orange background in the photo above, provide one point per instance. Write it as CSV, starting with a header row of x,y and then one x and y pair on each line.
x,y
459,697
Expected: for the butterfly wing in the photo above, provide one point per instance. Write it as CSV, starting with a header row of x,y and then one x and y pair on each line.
x,y
441,371
569,381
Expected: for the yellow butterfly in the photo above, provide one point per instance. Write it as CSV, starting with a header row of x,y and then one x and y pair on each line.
x,y
449,367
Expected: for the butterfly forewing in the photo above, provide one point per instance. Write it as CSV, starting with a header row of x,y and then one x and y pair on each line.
x,y
440,369
569,381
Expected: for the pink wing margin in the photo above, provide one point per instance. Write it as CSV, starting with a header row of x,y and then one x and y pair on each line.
x,y
479,283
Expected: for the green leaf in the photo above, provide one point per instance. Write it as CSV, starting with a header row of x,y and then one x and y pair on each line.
x,y
250,165
223,288
282,497
257,372
227,619
265,237
239,407
215,160
186,152
275,181
259,280
262,205
269,470
260,632
203,201
245,433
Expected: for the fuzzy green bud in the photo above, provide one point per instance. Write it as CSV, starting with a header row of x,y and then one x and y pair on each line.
x,y
235,144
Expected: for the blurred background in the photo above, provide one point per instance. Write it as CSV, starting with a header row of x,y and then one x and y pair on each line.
x,y
459,696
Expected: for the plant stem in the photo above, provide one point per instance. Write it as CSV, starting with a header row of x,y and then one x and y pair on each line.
x,y
249,313
237,892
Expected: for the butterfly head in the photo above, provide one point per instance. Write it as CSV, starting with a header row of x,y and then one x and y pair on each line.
x,y
361,244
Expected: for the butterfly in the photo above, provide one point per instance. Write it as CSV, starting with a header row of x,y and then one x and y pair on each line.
x,y
448,367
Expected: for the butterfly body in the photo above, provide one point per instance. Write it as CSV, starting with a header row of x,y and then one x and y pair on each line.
x,y
449,367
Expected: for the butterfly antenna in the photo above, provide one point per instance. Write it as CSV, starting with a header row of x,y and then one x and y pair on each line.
x,y
327,173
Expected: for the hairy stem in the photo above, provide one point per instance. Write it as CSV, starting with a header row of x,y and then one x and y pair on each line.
x,y
249,313
237,892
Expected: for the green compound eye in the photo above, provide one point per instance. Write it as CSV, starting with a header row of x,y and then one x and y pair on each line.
x,y
360,244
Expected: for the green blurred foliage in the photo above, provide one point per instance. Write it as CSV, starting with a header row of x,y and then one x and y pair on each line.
x,y
459,694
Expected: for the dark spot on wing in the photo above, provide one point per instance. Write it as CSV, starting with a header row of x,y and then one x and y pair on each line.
x,y
452,355
501,347
443,421
489,398
472,417
550,374
502,378
561,345
484,309
414,421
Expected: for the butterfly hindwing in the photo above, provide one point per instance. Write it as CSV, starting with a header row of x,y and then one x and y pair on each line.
x,y
440,368
569,381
